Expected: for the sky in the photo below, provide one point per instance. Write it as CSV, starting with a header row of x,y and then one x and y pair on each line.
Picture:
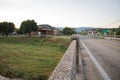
x,y
65,13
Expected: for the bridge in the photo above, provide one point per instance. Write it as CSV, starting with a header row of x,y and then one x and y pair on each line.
x,y
89,59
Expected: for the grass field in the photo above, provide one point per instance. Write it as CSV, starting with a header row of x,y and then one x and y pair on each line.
x,y
30,58
64,36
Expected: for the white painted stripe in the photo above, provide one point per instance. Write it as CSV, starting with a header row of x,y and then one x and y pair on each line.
x,y
99,67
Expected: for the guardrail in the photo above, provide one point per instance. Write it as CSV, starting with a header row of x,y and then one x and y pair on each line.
x,y
66,68
80,69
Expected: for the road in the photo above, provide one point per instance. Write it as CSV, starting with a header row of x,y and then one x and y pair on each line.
x,y
107,53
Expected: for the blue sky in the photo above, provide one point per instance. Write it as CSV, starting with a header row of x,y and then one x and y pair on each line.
x,y
71,13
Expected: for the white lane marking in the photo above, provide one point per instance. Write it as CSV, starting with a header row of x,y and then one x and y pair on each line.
x,y
99,67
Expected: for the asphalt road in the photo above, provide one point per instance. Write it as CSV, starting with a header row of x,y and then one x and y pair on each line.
x,y
107,53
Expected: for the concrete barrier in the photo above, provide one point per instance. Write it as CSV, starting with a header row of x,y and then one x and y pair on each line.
x,y
111,38
66,68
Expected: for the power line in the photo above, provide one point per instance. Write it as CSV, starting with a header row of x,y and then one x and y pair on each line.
x,y
112,23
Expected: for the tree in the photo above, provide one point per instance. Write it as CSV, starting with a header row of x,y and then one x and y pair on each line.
x,y
83,32
28,26
6,28
68,31
1,27
74,30
118,31
11,27
18,31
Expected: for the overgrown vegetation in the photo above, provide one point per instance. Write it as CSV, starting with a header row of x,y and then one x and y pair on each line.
x,y
30,58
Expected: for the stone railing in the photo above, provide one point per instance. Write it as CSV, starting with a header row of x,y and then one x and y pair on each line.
x,y
66,68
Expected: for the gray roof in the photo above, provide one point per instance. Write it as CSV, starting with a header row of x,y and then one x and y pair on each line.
x,y
46,26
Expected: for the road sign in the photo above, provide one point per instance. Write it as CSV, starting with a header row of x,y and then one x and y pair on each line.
x,y
104,30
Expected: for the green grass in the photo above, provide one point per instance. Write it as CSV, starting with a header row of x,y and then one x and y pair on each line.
x,y
30,58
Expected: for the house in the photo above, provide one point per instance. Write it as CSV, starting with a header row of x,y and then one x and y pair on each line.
x,y
46,29
93,33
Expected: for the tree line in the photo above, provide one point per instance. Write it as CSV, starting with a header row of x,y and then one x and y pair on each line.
x,y
6,28
27,26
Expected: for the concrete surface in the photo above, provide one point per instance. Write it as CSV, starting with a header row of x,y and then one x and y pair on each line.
x,y
91,72
4,78
66,68
107,53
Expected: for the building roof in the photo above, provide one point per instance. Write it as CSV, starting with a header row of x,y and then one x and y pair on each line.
x,y
46,26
